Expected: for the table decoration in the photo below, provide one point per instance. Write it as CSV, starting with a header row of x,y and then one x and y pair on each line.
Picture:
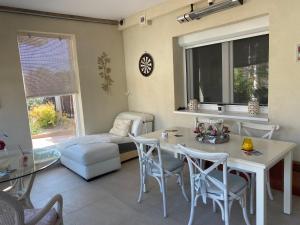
x,y
211,131
247,144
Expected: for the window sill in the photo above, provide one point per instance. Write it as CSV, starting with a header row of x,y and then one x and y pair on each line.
x,y
261,117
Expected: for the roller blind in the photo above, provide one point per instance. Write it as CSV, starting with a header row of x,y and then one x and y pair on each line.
x,y
47,65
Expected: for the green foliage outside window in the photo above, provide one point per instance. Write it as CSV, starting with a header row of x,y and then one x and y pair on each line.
x,y
251,81
42,116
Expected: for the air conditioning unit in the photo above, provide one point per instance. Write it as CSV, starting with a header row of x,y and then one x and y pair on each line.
x,y
212,8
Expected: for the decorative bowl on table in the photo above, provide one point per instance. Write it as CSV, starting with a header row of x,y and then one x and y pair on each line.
x,y
211,131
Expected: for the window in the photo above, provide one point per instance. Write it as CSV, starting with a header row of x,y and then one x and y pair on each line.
x,y
50,82
231,72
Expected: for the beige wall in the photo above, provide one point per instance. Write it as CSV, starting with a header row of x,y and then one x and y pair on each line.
x,y
92,39
155,94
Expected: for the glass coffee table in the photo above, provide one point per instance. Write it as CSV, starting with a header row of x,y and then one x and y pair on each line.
x,y
15,166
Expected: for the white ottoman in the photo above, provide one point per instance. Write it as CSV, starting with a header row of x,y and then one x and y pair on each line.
x,y
91,160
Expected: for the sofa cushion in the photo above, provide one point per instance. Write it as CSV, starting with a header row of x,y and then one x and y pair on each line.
x,y
88,154
49,219
121,127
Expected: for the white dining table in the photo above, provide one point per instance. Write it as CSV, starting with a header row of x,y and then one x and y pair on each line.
x,y
272,152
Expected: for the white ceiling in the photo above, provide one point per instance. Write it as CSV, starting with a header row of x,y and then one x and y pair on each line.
x,y
106,9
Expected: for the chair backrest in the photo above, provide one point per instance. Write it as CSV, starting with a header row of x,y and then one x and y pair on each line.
x,y
200,177
262,130
149,153
11,212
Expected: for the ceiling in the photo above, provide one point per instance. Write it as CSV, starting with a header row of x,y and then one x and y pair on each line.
x,y
105,9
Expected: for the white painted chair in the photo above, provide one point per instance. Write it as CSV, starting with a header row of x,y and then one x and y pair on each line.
x,y
159,165
220,186
12,212
256,130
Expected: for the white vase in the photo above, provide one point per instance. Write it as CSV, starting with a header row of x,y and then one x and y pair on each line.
x,y
253,107
193,105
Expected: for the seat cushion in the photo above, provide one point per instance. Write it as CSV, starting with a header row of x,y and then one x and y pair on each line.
x,y
49,219
235,182
88,154
170,163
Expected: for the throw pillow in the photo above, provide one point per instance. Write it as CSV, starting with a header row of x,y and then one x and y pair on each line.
x,y
121,127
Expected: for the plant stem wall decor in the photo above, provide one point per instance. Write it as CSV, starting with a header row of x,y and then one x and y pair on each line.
x,y
104,72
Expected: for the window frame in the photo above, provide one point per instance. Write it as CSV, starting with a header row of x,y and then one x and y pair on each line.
x,y
77,99
227,46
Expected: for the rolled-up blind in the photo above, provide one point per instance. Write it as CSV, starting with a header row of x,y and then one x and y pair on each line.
x,y
47,65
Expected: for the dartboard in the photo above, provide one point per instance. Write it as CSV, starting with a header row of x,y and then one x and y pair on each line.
x,y
146,64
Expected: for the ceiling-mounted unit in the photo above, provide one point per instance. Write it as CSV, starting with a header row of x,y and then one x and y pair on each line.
x,y
212,8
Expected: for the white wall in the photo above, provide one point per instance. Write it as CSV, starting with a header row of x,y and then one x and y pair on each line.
x,y
155,94
92,39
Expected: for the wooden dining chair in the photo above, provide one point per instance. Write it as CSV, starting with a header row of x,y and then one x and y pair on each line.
x,y
13,213
256,130
159,165
220,186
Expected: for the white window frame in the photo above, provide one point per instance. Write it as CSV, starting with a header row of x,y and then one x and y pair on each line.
x,y
77,101
245,29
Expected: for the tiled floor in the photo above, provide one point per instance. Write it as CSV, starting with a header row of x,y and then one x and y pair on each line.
x,y
111,200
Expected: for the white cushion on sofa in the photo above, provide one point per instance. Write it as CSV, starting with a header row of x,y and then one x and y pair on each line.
x,y
121,127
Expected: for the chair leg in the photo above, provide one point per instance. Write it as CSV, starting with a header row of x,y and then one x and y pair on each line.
x,y
269,186
226,211
141,184
243,203
181,183
164,196
214,207
145,181
191,219
252,193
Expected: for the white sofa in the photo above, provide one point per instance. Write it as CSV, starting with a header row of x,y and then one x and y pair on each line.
x,y
93,155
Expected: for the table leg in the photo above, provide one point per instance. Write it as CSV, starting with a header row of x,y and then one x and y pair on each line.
x,y
261,203
288,172
25,197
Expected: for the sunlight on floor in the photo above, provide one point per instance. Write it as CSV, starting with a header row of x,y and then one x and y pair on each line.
x,y
49,141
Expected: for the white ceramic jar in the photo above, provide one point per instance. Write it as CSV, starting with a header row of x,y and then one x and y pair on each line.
x,y
253,107
193,104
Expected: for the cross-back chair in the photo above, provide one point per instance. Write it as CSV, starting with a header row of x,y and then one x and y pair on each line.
x,y
220,186
265,131
159,165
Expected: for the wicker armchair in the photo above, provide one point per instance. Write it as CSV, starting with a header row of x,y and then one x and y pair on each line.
x,y
12,212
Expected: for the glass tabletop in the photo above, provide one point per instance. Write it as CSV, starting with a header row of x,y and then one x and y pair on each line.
x,y
14,164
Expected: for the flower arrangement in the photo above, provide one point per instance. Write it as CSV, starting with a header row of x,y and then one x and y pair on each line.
x,y
211,131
